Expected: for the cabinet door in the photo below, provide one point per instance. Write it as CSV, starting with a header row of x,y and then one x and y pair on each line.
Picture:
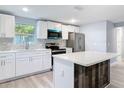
x,y
54,25
77,29
35,63
70,28
65,32
47,60
1,70
63,74
7,26
2,26
10,26
42,30
7,67
22,66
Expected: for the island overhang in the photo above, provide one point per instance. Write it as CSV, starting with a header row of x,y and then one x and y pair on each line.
x,y
86,58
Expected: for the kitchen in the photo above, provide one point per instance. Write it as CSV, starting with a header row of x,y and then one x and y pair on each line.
x,y
36,54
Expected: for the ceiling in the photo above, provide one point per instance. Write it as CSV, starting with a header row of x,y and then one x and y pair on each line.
x,y
64,13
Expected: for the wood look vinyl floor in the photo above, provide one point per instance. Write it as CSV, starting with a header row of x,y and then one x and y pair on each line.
x,y
117,75
45,80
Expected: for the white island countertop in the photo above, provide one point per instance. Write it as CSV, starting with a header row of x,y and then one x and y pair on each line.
x,y
86,58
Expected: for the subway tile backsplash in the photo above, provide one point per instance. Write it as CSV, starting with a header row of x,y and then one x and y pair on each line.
x,y
8,44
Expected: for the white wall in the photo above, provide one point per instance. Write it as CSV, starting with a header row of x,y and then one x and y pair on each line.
x,y
95,36
111,37
100,36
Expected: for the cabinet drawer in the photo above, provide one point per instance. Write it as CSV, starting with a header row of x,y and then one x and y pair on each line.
x,y
8,55
36,58
23,54
22,60
47,52
38,53
28,54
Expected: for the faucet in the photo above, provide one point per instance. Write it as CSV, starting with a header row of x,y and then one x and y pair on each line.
x,y
26,45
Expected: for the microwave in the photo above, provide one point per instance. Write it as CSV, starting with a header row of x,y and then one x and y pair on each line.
x,y
54,34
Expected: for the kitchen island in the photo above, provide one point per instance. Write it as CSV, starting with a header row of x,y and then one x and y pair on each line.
x,y
82,70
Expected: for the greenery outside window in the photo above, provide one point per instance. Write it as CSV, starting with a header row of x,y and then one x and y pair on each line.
x,y
25,33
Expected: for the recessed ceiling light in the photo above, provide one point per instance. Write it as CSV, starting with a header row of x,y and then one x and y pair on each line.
x,y
73,21
25,9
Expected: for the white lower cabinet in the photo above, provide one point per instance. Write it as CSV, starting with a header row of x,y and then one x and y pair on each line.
x,y
22,66
24,63
7,66
46,60
36,63
32,62
28,65
63,74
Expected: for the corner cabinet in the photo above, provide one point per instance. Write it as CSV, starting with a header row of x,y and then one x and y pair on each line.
x,y
41,30
7,66
7,26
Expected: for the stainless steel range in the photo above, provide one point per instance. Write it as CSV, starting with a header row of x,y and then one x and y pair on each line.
x,y
55,49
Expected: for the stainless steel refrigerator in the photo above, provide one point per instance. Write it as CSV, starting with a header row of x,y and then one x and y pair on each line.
x,y
76,41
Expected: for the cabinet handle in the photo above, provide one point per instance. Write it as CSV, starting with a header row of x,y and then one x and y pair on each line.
x,y
1,63
4,63
29,59
62,74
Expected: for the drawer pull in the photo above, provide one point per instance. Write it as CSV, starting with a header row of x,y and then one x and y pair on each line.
x,y
1,63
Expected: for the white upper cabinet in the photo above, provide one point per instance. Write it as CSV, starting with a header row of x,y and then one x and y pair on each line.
x,y
7,26
65,31
68,28
43,26
41,30
71,28
54,25
77,29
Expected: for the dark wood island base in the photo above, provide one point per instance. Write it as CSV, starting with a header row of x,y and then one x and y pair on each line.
x,y
95,76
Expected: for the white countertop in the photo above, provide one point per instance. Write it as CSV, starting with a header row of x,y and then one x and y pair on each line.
x,y
23,50
86,58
